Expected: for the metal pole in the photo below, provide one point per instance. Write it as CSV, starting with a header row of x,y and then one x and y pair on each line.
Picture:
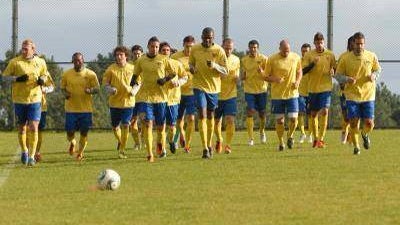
x,y
14,27
225,19
120,23
330,24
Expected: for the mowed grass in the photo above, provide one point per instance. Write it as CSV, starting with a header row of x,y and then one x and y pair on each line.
x,y
253,185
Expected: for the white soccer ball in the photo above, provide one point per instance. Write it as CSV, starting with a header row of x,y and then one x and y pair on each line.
x,y
108,180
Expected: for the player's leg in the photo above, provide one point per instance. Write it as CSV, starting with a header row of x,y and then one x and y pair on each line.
x,y
33,116
115,114
148,117
85,122
171,118
219,112
250,110
292,108
345,125
302,118
324,104
190,122
353,113
71,124
21,115
42,125
278,110
201,105
160,111
261,102
134,128
212,104
313,97
367,114
126,117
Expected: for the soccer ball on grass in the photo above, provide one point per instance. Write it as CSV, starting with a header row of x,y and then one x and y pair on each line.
x,y
108,179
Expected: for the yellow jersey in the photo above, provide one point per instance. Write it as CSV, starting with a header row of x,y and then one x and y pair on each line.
x,y
120,77
206,78
320,79
76,83
174,93
359,68
26,92
139,95
149,71
303,87
228,83
187,88
286,68
255,81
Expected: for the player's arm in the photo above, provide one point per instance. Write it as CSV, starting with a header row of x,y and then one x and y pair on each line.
x,y
376,70
340,75
299,74
219,66
94,86
107,83
169,71
269,77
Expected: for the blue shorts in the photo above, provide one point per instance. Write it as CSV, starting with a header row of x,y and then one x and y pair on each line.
x,y
226,108
78,121
42,122
319,101
343,102
204,100
282,106
138,109
364,110
27,112
303,100
187,106
120,116
256,101
155,111
172,114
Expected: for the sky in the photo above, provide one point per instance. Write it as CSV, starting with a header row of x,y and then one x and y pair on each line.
x,y
61,28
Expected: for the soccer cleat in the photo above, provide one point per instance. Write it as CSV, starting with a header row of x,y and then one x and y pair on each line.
x,y
281,147
122,155
356,151
251,142
172,147
310,139
150,158
321,144
290,143
186,149
210,151
31,161
38,157
182,141
227,149
263,138
163,154
79,157
315,144
206,154
24,158
343,138
218,147
159,149
71,149
366,140
302,138
136,147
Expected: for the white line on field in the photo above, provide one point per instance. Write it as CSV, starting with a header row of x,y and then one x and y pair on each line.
x,y
5,171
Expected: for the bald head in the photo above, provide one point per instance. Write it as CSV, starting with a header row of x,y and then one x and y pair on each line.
x,y
284,48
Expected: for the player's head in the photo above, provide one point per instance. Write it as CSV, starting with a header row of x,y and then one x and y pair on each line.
x,y
137,51
121,53
165,48
284,48
153,45
359,43
188,43
305,48
227,44
319,42
207,37
350,43
253,47
78,61
28,49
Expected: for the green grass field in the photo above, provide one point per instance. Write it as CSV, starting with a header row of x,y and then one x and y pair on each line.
x,y
256,185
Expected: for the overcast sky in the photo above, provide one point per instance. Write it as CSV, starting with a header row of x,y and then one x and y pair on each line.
x,y
60,28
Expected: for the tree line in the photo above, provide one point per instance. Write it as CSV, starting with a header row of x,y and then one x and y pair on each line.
x,y
387,104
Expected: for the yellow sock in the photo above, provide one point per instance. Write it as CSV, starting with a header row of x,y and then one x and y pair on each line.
x,y
210,131
301,124
22,141
314,126
250,127
171,134
230,130
39,143
203,132
310,125
280,130
148,137
82,143
161,137
124,137
292,127
355,133
135,133
189,132
263,120
117,134
218,130
180,126
323,126
32,142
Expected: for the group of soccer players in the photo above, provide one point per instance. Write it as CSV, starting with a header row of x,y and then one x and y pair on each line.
x,y
167,88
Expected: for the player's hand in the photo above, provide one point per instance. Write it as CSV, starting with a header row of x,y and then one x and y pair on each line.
x,y
351,80
111,90
316,59
161,81
260,70
296,85
332,72
372,77
209,63
22,78
67,95
40,81
88,91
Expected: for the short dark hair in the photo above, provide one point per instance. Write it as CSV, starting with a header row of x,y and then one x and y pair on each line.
x,y
306,45
164,43
188,38
227,40
153,39
207,30
76,54
319,36
136,48
254,42
358,35
350,40
121,49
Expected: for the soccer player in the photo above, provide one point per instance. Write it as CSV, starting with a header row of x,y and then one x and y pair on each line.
x,y
27,73
47,88
303,99
78,85
359,70
255,89
154,71
187,106
227,98
137,51
174,94
320,87
207,63
121,101
284,72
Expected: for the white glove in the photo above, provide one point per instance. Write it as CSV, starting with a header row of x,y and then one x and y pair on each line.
x,y
110,90
135,89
